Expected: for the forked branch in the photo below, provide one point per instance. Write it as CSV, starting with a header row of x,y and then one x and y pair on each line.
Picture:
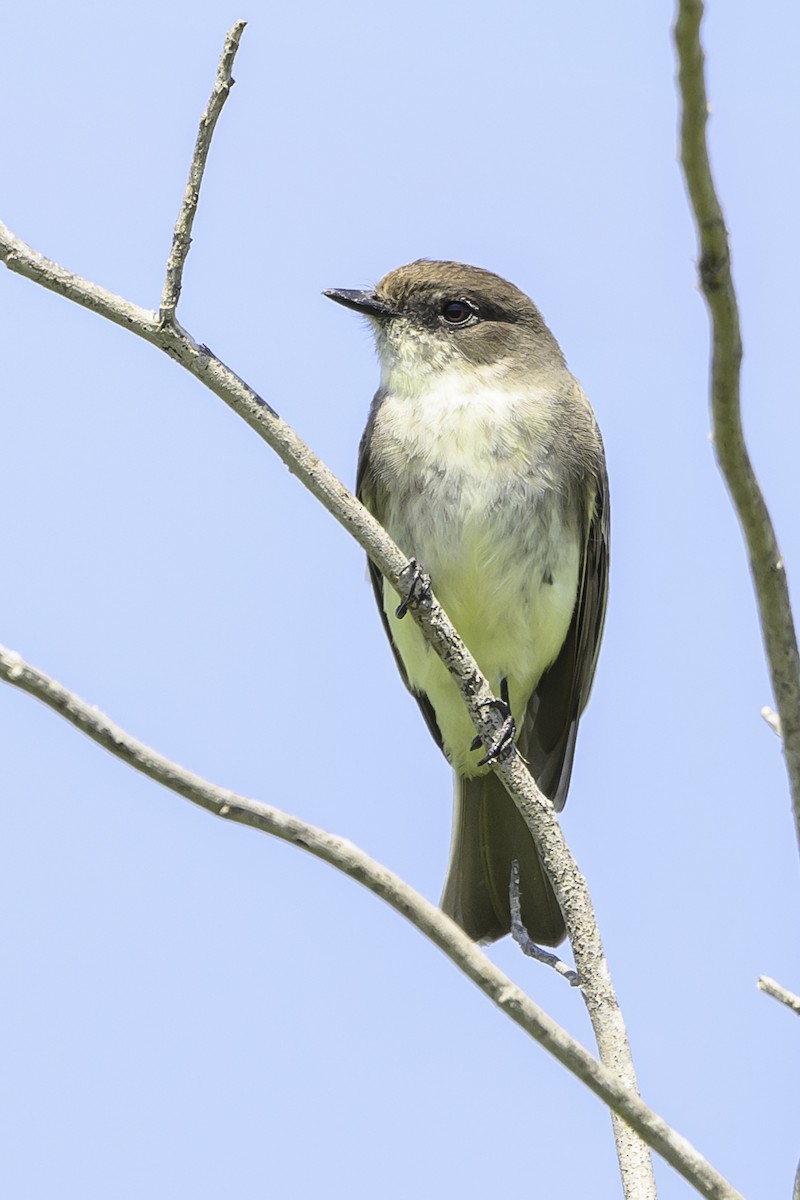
x,y
615,1081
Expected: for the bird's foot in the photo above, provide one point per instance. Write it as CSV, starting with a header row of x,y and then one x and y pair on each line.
x,y
419,589
503,741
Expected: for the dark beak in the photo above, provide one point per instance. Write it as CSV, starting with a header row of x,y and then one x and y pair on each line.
x,y
367,303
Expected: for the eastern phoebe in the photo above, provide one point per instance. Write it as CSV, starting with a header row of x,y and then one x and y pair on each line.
x,y
483,461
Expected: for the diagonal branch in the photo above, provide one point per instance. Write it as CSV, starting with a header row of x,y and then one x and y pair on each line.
x,y
568,882
164,331
442,931
182,237
766,563
779,992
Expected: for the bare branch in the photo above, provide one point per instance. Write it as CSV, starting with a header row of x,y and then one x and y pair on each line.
x,y
570,886
410,904
182,237
779,992
523,939
766,563
568,882
164,331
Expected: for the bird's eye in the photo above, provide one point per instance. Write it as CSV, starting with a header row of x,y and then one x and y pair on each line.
x,y
458,312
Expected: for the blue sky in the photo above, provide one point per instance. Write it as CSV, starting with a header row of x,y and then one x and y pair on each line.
x,y
193,1009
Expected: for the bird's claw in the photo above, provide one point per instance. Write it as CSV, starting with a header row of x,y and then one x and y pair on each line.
x,y
419,589
503,741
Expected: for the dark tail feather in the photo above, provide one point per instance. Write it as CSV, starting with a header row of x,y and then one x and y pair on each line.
x,y
488,834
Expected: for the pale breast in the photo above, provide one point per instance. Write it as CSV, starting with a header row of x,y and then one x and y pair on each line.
x,y
470,489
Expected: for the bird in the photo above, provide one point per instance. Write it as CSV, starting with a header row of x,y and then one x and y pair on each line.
x,y
482,459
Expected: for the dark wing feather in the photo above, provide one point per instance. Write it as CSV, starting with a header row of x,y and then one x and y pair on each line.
x,y
368,492
550,725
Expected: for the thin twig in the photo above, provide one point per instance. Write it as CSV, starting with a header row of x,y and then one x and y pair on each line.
x,y
524,940
779,992
766,563
182,237
382,882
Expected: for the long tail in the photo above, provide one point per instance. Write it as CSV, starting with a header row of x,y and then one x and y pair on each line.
x,y
488,834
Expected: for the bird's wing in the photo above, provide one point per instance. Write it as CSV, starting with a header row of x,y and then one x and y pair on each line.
x,y
550,725
368,492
